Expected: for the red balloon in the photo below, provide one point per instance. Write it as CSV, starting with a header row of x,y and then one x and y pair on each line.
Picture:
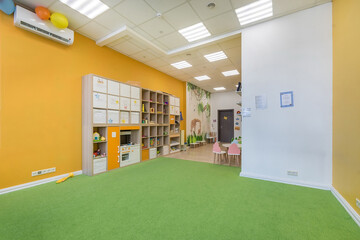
x,y
42,12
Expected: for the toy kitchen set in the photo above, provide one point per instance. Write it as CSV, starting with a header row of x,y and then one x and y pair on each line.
x,y
129,147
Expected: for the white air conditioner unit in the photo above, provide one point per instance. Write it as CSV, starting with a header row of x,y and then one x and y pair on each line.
x,y
28,20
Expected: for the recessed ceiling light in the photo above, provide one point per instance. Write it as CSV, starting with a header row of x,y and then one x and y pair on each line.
x,y
255,11
202,78
215,56
195,32
181,65
219,88
90,8
230,73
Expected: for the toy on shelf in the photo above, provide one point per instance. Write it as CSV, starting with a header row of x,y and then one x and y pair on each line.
x,y
158,141
152,110
165,133
166,103
102,139
158,152
97,153
96,136
65,178
152,142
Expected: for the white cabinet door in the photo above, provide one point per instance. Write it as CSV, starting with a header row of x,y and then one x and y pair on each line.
x,y
99,84
177,102
99,116
152,153
124,103
113,102
99,100
172,110
124,117
176,110
172,100
135,92
135,154
99,165
135,105
166,150
135,117
113,117
124,90
113,88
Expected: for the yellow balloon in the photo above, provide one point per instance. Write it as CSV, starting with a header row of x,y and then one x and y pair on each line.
x,y
59,20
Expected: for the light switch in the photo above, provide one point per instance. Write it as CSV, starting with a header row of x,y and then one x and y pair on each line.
x,y
113,134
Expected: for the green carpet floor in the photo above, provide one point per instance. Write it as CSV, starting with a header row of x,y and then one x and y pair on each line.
x,y
172,199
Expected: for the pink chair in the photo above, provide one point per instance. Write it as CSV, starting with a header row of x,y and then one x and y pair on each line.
x,y
234,152
218,154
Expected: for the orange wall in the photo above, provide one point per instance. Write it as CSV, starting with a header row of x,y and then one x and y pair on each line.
x,y
40,98
346,100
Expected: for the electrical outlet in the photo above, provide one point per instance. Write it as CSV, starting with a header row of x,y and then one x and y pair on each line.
x,y
43,171
358,203
292,173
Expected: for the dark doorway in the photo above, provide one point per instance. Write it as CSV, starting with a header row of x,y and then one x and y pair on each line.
x,y
226,125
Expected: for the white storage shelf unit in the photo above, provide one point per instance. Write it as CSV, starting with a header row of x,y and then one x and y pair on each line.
x,y
105,102
113,102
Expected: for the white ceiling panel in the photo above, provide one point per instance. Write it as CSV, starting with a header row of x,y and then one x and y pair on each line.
x,y
233,52
142,33
75,18
143,56
285,6
162,6
137,11
223,23
111,3
240,3
112,20
182,16
93,30
205,13
158,62
157,27
231,43
173,40
120,40
209,49
34,3
127,48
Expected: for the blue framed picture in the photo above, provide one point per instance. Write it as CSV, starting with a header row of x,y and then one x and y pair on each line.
x,y
286,99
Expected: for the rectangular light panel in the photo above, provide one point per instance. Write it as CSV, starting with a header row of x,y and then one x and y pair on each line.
x,y
181,65
219,88
255,11
231,73
195,32
89,8
215,56
202,78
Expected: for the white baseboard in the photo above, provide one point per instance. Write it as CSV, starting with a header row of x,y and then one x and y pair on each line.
x,y
35,183
286,181
346,205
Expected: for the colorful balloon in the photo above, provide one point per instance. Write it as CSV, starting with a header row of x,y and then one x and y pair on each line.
x,y
7,6
59,20
42,12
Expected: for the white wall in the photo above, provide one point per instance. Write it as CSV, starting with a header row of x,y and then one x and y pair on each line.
x,y
223,101
292,53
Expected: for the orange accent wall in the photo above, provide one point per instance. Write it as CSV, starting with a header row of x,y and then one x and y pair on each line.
x,y
40,98
346,99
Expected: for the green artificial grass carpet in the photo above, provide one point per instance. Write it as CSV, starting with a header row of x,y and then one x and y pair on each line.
x,y
172,199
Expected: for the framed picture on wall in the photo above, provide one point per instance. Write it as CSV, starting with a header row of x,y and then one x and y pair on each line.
x,y
286,99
